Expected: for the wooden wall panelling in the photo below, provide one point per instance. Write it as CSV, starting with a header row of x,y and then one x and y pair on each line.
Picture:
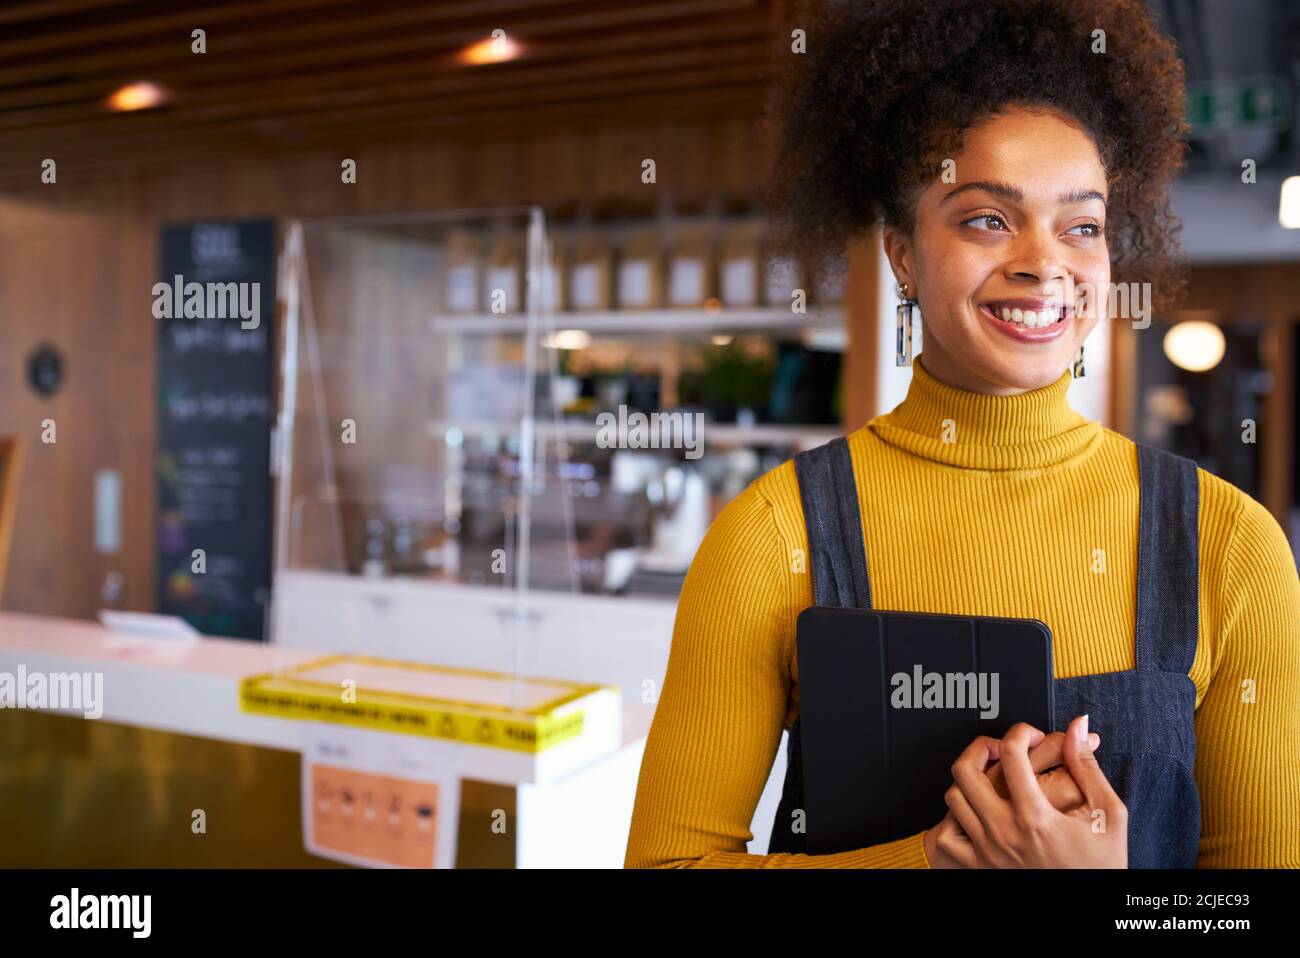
x,y
861,317
79,277
1122,392
1277,450
11,483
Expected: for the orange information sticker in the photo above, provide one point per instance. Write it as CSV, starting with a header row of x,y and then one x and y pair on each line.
x,y
378,818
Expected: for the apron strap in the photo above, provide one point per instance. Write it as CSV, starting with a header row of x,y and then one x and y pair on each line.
x,y
838,562
836,553
1168,573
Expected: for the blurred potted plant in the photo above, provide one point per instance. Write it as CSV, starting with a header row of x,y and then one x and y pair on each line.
x,y
729,378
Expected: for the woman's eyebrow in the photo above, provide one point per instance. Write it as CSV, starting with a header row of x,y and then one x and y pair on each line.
x,y
1007,191
1082,196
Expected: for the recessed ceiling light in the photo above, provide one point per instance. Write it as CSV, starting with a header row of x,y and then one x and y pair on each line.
x,y
495,49
1288,207
1194,345
568,339
137,96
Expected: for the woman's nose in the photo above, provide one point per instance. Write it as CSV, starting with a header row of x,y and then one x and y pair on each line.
x,y
1036,257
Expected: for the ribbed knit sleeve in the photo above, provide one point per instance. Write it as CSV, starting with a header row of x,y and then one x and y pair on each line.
x,y
1248,725
718,722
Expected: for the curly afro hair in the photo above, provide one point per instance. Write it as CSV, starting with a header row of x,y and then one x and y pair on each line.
x,y
861,122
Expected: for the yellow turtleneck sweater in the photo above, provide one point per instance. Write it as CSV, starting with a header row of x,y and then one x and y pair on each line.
x,y
1002,521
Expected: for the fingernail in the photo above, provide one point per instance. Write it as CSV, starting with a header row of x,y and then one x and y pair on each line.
x,y
1082,733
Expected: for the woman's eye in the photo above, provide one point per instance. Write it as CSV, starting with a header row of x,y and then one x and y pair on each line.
x,y
1093,229
992,222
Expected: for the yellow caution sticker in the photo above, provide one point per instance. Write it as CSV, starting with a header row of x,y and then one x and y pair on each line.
x,y
290,696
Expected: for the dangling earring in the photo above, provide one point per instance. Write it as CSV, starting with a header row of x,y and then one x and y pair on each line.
x,y
904,313
1076,371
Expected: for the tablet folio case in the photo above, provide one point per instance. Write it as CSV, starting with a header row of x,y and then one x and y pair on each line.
x,y
889,700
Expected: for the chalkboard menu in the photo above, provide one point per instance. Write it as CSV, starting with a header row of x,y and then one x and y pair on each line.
x,y
215,305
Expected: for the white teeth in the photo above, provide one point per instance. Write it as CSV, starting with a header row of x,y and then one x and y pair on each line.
x,y
1030,318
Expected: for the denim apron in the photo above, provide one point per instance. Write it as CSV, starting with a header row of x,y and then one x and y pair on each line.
x,y
1144,715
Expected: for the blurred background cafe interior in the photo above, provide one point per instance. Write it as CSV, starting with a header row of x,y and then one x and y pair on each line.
x,y
465,232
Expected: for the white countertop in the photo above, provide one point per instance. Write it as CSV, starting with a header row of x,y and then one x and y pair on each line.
x,y
190,686
187,686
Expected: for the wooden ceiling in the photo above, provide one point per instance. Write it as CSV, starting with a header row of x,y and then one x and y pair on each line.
x,y
301,74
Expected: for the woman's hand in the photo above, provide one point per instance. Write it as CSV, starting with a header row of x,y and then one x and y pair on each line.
x,y
1046,753
1027,832
947,846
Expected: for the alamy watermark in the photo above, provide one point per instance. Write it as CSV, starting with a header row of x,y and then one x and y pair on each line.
x,y
182,300
1104,300
657,430
131,912
62,691
946,690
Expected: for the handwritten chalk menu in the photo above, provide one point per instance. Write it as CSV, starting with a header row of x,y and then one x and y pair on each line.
x,y
215,306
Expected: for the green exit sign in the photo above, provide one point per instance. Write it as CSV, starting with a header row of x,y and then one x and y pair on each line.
x,y
1226,106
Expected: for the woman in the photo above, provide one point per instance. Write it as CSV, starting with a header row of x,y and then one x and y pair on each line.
x,y
1014,153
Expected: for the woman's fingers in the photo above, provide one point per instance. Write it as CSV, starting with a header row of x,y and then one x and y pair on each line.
x,y
1082,763
1060,789
1022,780
955,844
960,809
1050,752
1054,779
969,773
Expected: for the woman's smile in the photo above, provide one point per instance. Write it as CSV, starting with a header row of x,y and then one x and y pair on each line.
x,y
1028,320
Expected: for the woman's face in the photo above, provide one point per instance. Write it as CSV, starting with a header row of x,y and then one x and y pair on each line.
x,y
1019,224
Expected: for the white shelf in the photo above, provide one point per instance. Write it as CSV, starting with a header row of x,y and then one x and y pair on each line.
x,y
692,319
731,434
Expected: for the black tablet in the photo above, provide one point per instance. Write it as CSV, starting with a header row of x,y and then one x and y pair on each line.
x,y
889,700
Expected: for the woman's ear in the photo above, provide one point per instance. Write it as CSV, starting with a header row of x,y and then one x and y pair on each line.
x,y
898,249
